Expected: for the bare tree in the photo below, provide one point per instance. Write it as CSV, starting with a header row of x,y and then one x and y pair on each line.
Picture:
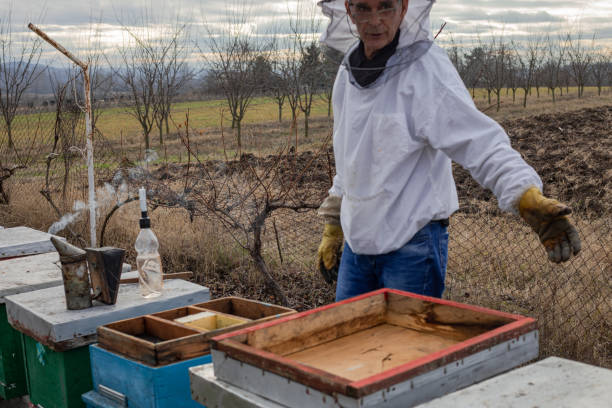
x,y
138,71
529,57
513,71
68,115
303,24
473,68
331,61
278,87
495,67
173,73
551,69
310,75
600,69
291,79
580,58
234,50
243,194
19,69
454,54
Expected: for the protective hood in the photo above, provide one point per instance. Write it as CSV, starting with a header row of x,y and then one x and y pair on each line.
x,y
341,33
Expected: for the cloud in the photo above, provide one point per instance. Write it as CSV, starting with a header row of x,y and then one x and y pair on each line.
x,y
73,22
512,17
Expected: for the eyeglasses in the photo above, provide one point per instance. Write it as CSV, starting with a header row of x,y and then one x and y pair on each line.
x,y
363,14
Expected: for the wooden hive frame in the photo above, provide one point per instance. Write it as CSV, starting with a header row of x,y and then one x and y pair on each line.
x,y
273,345
249,309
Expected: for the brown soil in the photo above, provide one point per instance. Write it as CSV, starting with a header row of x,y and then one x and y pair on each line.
x,y
571,152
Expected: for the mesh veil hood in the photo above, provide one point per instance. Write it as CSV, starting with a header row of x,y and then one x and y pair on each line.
x,y
341,33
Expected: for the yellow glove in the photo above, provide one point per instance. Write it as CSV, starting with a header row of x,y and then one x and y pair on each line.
x,y
549,220
330,251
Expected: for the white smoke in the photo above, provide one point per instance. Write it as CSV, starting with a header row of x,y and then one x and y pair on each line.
x,y
106,195
110,194
63,222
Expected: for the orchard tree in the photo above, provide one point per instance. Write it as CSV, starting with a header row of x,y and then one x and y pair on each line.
x,y
19,69
580,59
234,55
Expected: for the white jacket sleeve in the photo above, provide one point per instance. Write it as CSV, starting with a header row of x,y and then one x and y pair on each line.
x,y
480,145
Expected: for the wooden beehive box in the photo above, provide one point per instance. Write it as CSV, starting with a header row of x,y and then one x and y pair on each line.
x,y
152,340
384,346
166,337
231,313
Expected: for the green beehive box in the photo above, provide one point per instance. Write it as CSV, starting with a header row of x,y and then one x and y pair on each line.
x,y
57,379
20,275
12,372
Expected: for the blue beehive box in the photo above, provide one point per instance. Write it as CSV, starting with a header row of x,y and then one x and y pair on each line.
x,y
144,362
128,383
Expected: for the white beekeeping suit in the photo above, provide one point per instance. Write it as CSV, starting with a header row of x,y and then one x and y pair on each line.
x,y
394,139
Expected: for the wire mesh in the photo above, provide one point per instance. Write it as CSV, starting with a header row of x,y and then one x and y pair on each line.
x,y
495,260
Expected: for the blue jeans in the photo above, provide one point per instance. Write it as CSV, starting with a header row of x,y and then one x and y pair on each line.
x,y
418,267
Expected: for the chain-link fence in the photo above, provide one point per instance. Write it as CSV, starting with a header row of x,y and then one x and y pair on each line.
x,y
43,162
495,260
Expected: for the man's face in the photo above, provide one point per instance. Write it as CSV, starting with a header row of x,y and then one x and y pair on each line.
x,y
377,21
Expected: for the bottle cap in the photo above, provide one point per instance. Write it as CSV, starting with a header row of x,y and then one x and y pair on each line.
x,y
145,222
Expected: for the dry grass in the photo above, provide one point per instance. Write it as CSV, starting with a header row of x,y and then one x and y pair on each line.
x,y
498,262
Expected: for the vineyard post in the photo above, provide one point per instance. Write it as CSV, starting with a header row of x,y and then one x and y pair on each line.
x,y
88,128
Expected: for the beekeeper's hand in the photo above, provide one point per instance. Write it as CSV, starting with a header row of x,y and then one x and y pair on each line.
x,y
330,252
549,219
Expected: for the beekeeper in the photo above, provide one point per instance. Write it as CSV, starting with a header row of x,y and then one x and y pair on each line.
x,y
401,116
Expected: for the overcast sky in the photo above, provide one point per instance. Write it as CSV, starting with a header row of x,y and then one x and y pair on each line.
x,y
70,21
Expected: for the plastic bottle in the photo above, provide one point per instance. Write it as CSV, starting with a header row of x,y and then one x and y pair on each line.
x,y
148,261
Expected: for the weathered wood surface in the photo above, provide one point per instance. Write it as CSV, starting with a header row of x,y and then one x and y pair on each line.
x,y
29,273
42,314
288,346
157,341
320,326
22,241
250,309
166,276
209,321
550,383
174,314
115,339
237,307
246,379
371,351
444,320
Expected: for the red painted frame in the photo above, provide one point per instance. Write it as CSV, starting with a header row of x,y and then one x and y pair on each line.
x,y
329,383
